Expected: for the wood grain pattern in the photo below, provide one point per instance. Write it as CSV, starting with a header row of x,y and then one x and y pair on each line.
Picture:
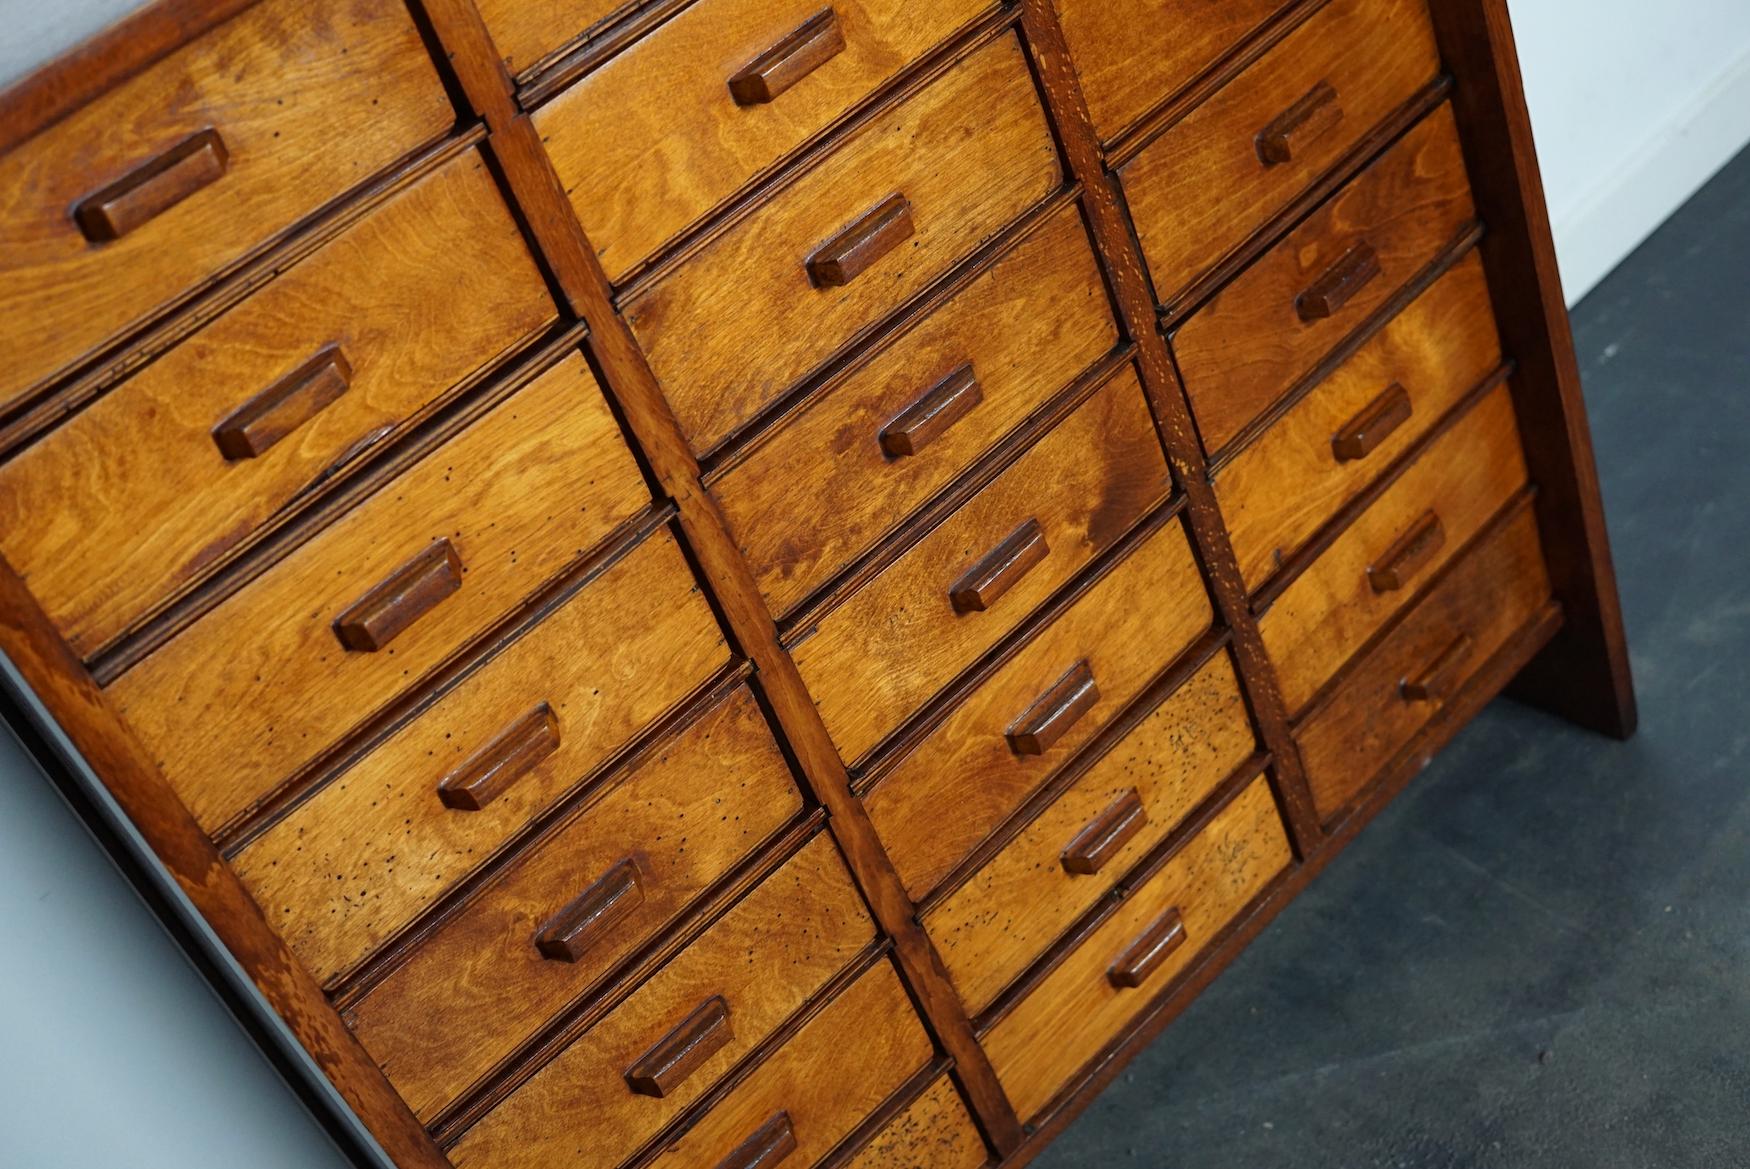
x,y
764,957
861,244
816,41
308,108
898,639
1025,327
519,493
526,31
989,929
129,503
1374,53
738,322
1077,1010
654,139
1331,609
1127,627
1279,490
934,1132
683,1051
153,187
354,863
1248,345
1485,599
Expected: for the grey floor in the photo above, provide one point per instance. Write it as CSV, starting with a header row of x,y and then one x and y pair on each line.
x,y
1540,955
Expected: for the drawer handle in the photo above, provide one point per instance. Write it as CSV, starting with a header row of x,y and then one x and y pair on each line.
x,y
1054,712
1152,947
1300,123
512,754
678,1054
249,430
573,930
982,585
819,40
407,594
771,1143
152,188
1412,552
1105,835
852,251
1362,434
936,409
1438,681
1325,297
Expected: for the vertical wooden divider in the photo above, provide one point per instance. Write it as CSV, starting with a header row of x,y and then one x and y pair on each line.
x,y
537,191
1068,109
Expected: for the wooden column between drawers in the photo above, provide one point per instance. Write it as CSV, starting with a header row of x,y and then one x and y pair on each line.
x,y
1122,259
536,190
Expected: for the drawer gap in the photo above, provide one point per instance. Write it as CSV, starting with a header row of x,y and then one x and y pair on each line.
x,y
901,1098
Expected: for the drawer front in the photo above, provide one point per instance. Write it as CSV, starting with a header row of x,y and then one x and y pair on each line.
x,y
1314,96
940,396
1131,55
628,647
498,510
669,129
123,207
990,929
1264,332
525,31
187,462
1394,548
616,1085
1319,455
935,1132
1079,1008
904,635
1117,637
1404,681
736,324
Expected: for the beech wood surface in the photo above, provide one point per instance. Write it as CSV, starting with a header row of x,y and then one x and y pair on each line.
x,y
934,1132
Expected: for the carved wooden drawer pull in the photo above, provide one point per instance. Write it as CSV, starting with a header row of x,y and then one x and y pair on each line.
x,y
411,591
818,41
573,930
1438,681
512,753
771,1143
1054,712
1152,947
928,418
1002,567
152,188
678,1054
1362,434
852,251
1412,552
1106,835
1326,296
1305,120
248,431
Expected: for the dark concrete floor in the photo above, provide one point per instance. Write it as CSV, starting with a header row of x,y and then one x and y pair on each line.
x,y
1539,956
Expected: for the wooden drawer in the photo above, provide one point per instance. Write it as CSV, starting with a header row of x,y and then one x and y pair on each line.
x,y
513,499
618,654
651,844
1393,548
1315,96
991,928
652,1055
934,1132
1404,681
894,431
222,147
1131,55
655,138
901,636
1087,1000
161,481
741,320
1329,445
1261,334
1119,635
526,31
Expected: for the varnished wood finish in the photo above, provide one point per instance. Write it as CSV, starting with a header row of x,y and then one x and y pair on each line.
x,y
816,41
153,187
935,1132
